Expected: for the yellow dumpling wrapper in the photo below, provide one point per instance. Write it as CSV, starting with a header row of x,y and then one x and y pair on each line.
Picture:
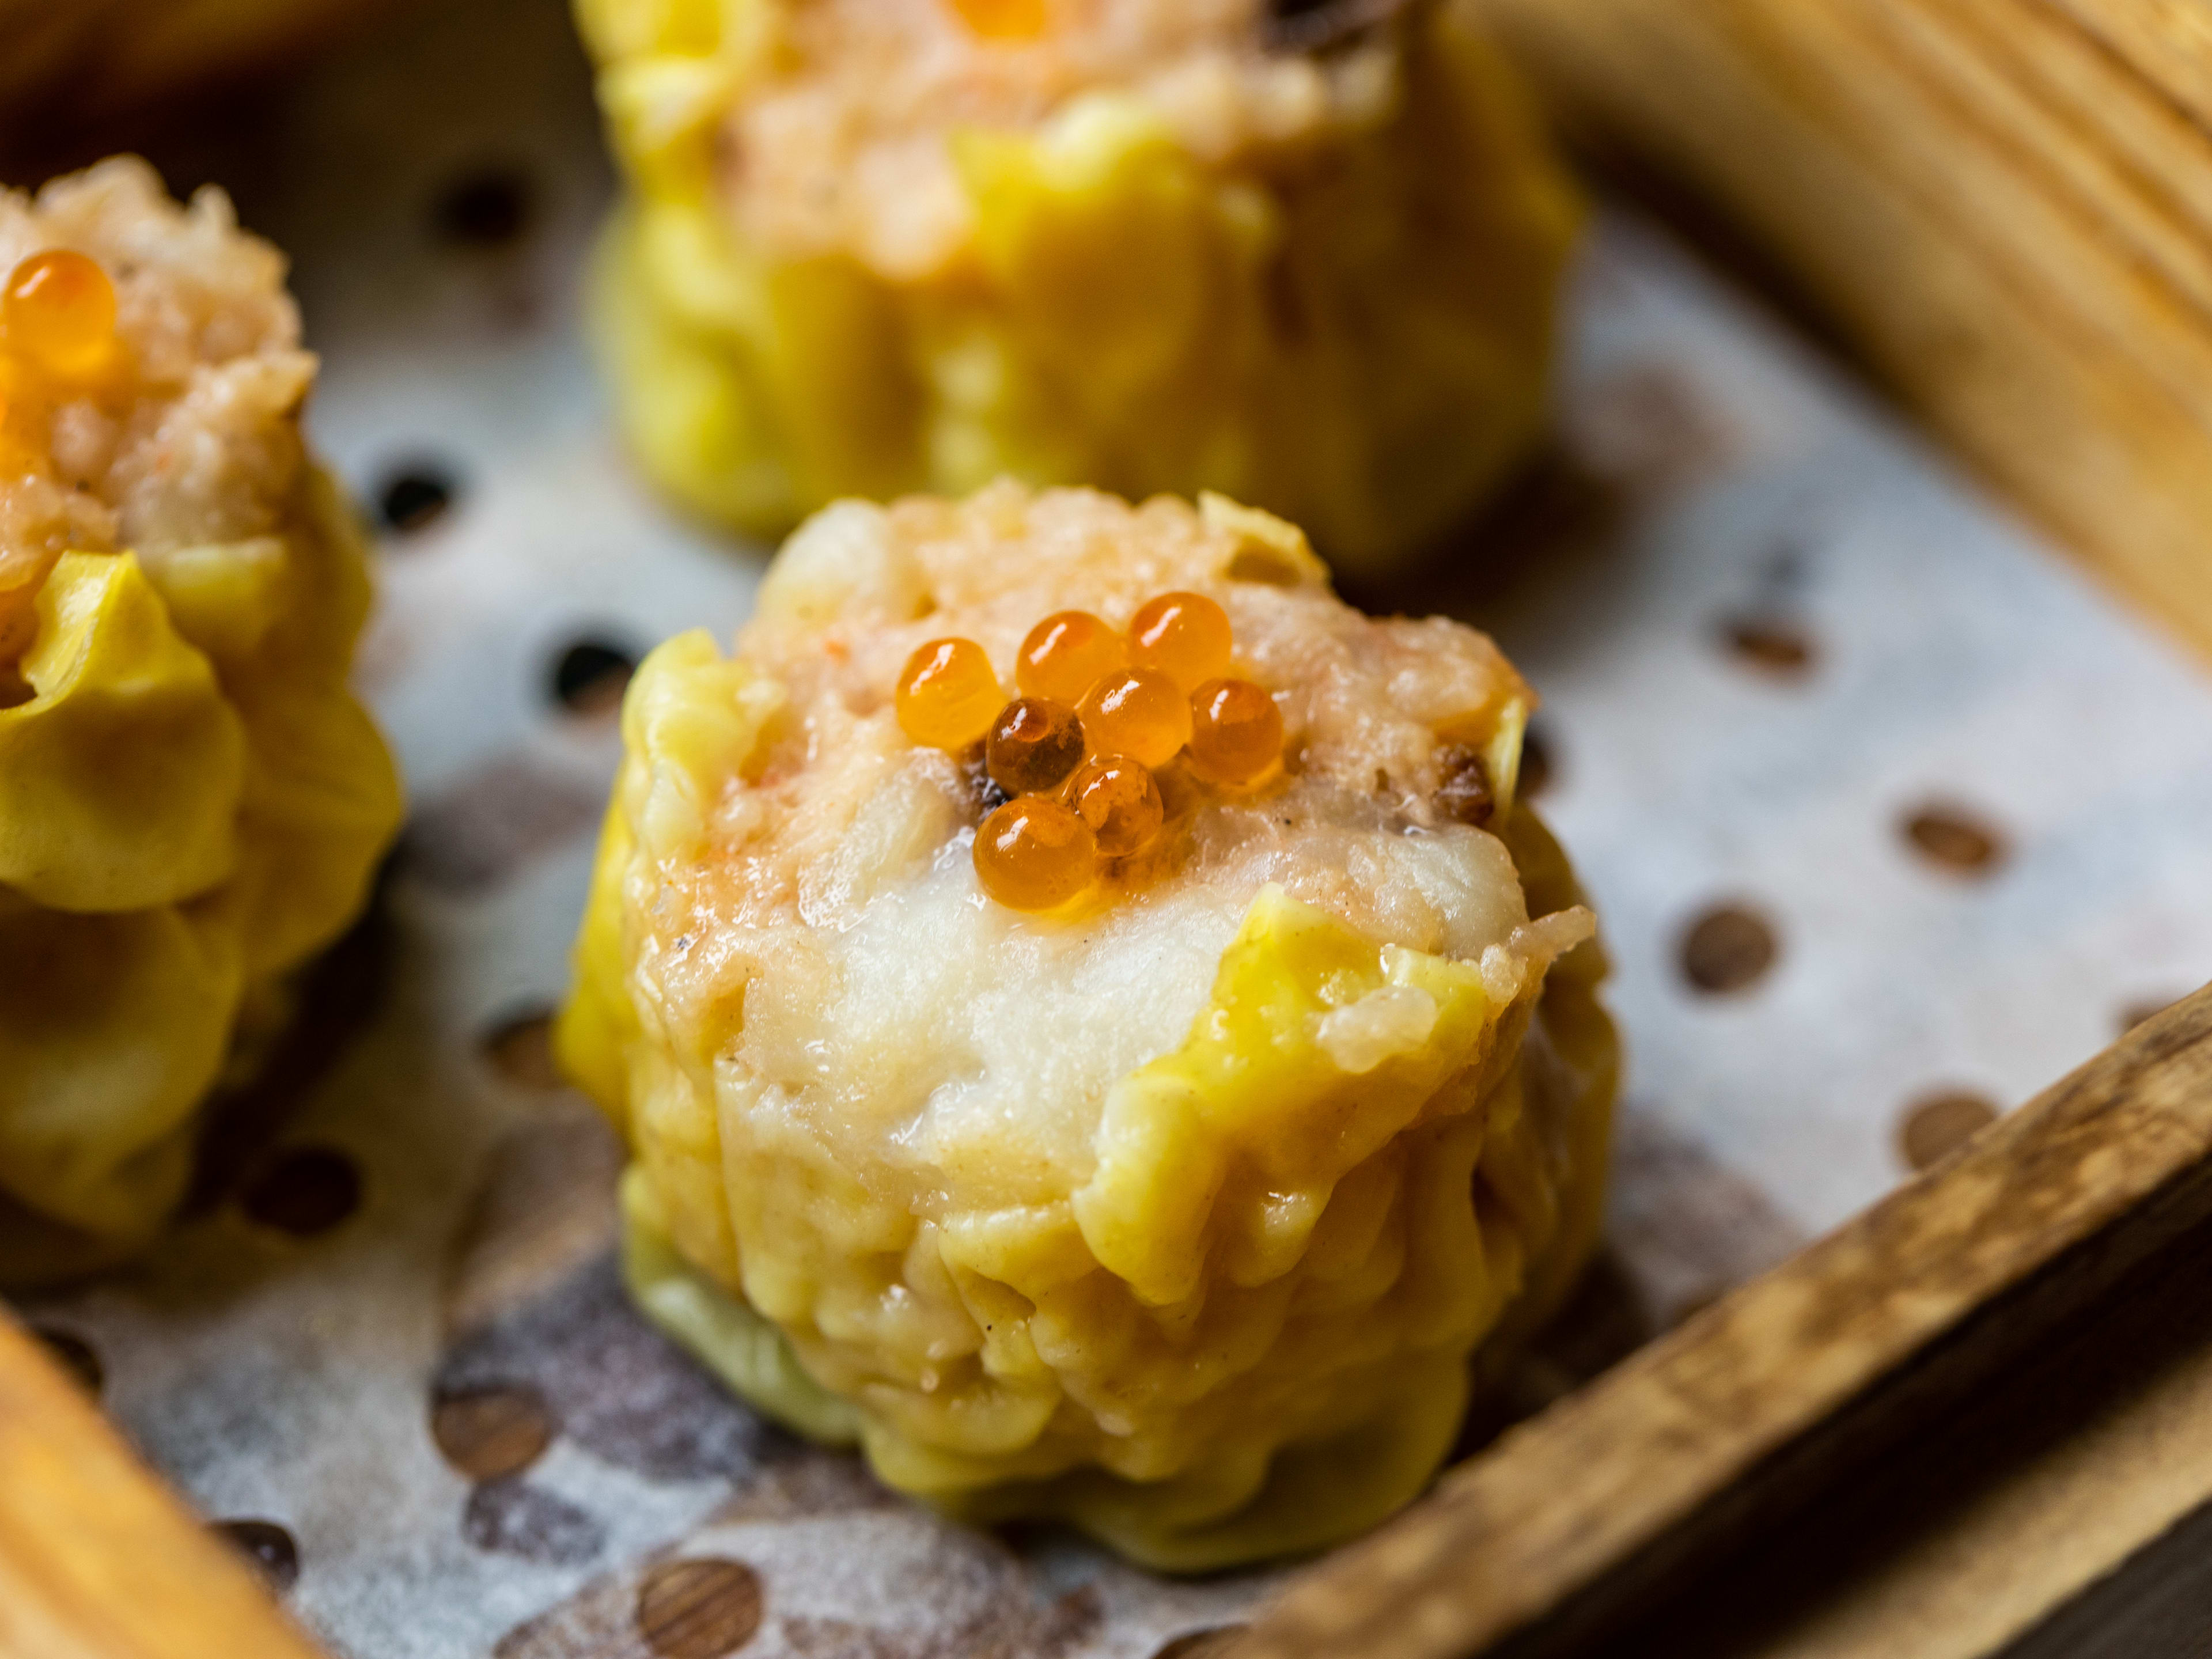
x,y
192,803
1397,1277
1254,1088
113,1029
1348,321
1245,1332
120,778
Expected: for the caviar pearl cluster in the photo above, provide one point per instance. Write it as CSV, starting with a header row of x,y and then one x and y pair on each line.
x,y
1101,714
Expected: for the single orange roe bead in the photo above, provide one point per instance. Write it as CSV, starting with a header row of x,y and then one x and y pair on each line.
x,y
1185,635
1034,743
59,311
1035,854
1121,801
1066,654
1137,712
948,697
1004,20
1236,732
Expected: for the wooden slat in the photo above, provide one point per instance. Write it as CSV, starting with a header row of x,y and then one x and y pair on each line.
x,y
96,1560
2003,206
2168,42
2061,1498
1577,1519
2158,1603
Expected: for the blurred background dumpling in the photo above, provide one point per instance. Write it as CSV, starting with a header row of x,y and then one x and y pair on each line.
x,y
870,247
191,800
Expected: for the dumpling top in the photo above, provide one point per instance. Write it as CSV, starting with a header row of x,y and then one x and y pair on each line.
x,y
839,140
813,848
182,435
1174,1209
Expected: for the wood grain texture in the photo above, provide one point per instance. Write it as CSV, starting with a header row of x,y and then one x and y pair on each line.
x,y
108,56
2003,206
96,1560
2044,1510
2168,42
81,79
2158,1603
1576,1521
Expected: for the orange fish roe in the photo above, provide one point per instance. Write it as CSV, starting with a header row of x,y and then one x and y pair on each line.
x,y
1185,637
1067,653
1035,743
1004,20
1035,855
1138,712
1120,802
57,325
948,697
1041,848
1237,732
58,310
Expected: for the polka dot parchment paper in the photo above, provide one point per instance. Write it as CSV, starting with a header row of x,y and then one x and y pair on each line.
x,y
1891,819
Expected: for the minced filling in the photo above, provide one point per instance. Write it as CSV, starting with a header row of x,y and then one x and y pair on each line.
x,y
846,842
183,434
840,140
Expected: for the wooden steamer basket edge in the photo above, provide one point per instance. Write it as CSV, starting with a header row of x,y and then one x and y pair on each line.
x,y
2004,207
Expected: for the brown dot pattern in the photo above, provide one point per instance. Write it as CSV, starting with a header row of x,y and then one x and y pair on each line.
x,y
414,498
489,208
1936,1125
1201,1644
1954,839
486,1433
699,1609
272,1550
612,1382
305,1191
1728,948
1773,646
590,677
520,1049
